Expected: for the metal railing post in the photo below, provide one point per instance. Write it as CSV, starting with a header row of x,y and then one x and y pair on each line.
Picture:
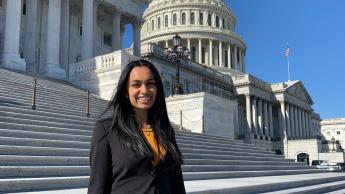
x,y
180,120
88,103
33,103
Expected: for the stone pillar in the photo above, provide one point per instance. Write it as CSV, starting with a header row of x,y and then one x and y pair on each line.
x,y
292,122
304,125
95,30
240,59
229,56
211,52
116,41
255,116
312,135
235,58
287,117
136,38
248,114
300,129
200,50
64,34
188,46
260,119
11,57
31,36
243,62
270,120
298,136
283,121
266,119
87,30
220,56
52,67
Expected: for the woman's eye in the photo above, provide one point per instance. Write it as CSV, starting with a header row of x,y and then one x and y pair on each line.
x,y
136,85
151,84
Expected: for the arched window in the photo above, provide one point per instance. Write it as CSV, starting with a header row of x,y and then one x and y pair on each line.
x,y
159,23
192,18
217,21
166,21
183,18
193,53
174,19
152,25
201,18
203,54
209,20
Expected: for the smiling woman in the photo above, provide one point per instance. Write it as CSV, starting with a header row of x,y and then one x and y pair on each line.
x,y
135,150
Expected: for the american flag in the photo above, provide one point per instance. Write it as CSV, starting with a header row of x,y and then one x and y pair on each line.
x,y
287,50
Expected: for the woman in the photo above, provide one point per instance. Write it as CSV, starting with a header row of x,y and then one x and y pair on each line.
x,y
135,150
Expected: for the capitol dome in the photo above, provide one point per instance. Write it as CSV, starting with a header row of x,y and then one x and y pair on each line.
x,y
207,28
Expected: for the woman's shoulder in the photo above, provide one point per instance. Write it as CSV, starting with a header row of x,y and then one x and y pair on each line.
x,y
101,128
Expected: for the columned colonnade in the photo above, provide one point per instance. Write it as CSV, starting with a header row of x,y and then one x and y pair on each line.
x,y
216,53
294,121
57,39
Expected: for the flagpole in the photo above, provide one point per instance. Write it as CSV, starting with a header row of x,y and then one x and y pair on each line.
x,y
288,62
287,51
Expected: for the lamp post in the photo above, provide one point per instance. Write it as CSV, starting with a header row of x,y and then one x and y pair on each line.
x,y
177,53
333,141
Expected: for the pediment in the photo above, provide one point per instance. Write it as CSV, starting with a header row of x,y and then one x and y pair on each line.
x,y
298,90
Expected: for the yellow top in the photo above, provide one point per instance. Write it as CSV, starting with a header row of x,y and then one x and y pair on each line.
x,y
157,153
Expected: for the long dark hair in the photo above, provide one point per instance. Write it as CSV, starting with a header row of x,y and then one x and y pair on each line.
x,y
125,123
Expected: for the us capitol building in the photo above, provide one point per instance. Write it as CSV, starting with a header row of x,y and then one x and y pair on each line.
x,y
81,41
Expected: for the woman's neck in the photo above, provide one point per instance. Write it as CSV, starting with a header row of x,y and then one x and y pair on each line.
x,y
142,116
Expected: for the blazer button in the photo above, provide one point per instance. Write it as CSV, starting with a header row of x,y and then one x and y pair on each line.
x,y
153,172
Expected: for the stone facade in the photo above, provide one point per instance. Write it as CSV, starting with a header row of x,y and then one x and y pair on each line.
x,y
333,133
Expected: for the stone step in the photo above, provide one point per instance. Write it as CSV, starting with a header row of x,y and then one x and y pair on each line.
x,y
239,167
47,129
43,143
43,171
44,123
43,135
239,162
341,191
49,103
42,151
36,184
191,155
313,189
21,160
254,185
42,115
238,174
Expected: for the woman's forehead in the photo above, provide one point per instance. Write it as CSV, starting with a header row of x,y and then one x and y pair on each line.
x,y
141,73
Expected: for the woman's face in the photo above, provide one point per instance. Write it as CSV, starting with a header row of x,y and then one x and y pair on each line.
x,y
142,88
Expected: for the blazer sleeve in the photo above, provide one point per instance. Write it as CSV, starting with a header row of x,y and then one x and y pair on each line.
x,y
100,162
177,181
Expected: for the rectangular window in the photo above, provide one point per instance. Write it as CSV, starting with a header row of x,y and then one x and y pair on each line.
x,y
209,20
80,30
174,19
192,18
153,25
107,37
24,8
338,132
201,19
0,3
159,23
223,23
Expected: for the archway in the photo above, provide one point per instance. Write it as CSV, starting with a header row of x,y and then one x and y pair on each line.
x,y
303,157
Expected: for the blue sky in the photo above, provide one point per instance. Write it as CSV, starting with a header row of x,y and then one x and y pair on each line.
x,y
315,31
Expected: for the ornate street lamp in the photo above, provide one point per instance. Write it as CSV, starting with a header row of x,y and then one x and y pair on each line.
x,y
333,142
177,53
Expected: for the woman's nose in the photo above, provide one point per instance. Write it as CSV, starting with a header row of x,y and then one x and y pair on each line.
x,y
143,88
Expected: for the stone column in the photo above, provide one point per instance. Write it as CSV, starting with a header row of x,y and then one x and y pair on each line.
x,y
300,129
243,62
229,56
292,122
64,34
283,121
266,119
298,136
200,50
307,124
270,120
240,59
312,135
188,46
235,58
304,124
287,117
52,67
136,38
248,114
116,41
95,29
211,52
255,116
31,36
11,57
260,123
220,47
87,35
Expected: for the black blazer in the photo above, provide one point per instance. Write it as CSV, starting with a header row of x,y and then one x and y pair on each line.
x,y
115,171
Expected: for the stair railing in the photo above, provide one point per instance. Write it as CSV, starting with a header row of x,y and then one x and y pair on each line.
x,y
33,102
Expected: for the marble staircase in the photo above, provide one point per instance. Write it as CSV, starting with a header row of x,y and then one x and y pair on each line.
x,y
47,150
